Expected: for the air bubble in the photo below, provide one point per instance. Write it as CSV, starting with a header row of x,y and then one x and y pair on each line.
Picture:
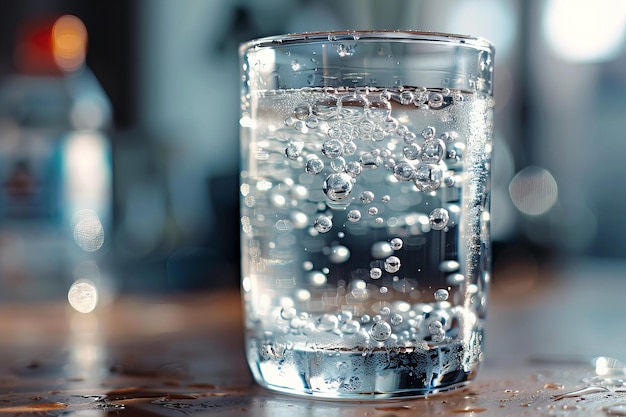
x,y
385,311
385,199
338,164
441,294
376,273
345,50
327,322
433,151
396,243
390,125
323,224
435,100
392,264
439,337
429,132
406,97
409,137
439,218
302,111
294,150
403,171
314,166
349,148
381,250
428,178
434,327
370,161
396,319
337,186
334,132
379,220
372,211
311,122
332,148
411,151
365,318
339,254
354,216
351,327
367,197
353,168
288,313
380,331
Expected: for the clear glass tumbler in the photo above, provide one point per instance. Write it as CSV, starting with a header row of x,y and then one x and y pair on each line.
x,y
365,182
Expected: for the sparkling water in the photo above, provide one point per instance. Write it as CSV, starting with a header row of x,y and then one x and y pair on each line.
x,y
365,221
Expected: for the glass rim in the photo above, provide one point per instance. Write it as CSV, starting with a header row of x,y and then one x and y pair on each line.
x,y
395,35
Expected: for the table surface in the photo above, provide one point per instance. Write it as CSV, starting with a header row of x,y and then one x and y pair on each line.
x,y
183,356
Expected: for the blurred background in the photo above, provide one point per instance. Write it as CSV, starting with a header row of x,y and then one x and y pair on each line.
x,y
119,130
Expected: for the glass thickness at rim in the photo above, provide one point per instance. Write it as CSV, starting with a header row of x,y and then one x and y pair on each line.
x,y
474,42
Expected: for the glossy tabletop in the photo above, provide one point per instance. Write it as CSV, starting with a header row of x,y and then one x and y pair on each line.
x,y
182,355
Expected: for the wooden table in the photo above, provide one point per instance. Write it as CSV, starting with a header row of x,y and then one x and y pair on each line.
x,y
183,356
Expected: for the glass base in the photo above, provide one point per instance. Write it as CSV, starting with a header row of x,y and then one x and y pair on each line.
x,y
368,375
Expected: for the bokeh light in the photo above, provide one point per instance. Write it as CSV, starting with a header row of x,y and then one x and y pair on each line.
x,y
585,31
533,190
88,230
69,42
83,296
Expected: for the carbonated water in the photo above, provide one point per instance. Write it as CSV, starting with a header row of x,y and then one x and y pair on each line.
x,y
365,221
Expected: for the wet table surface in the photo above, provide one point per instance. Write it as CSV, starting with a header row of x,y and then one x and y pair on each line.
x,y
183,356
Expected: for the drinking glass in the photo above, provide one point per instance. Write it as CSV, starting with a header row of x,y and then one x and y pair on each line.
x,y
364,184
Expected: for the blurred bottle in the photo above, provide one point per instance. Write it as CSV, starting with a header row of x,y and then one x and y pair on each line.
x,y
55,167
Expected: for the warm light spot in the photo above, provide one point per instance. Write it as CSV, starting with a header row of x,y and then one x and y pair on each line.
x,y
83,296
69,42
